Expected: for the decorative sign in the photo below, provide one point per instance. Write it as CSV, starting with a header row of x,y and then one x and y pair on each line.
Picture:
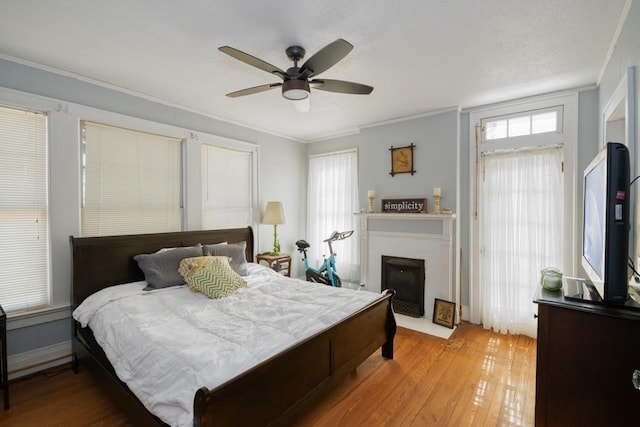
x,y
402,160
404,205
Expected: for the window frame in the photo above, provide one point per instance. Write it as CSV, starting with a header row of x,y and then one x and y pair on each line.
x,y
523,141
45,186
59,194
64,185
230,144
349,253
135,133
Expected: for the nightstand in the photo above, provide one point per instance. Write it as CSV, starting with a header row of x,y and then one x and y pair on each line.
x,y
3,363
280,263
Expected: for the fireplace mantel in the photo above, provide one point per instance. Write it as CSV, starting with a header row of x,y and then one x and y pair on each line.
x,y
410,235
446,219
409,216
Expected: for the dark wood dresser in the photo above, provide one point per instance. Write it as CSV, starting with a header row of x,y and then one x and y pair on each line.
x,y
586,358
4,373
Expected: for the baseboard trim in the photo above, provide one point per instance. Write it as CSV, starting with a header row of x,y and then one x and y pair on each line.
x,y
465,313
33,361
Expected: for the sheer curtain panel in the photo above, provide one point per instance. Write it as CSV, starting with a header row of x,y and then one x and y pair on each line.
x,y
332,200
132,181
24,243
521,217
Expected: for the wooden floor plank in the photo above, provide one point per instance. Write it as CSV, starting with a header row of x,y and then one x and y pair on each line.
x,y
475,378
458,386
61,398
460,381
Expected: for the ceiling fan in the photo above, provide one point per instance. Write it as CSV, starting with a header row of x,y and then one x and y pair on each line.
x,y
297,81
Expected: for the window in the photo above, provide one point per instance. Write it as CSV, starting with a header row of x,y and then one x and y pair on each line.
x,y
226,187
331,202
523,174
132,181
529,123
24,243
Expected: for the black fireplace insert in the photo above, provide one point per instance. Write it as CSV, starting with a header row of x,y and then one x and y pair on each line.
x,y
406,276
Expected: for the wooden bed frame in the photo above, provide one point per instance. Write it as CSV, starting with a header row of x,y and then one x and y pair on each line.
x,y
273,392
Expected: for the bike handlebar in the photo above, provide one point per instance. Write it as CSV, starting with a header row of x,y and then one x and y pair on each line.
x,y
339,236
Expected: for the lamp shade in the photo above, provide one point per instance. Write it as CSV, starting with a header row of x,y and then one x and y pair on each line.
x,y
274,214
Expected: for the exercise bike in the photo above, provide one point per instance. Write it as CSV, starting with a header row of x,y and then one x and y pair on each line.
x,y
326,274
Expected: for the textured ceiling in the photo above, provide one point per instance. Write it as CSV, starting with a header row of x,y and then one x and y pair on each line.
x,y
420,55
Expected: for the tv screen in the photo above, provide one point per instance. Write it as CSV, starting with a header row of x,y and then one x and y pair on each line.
x,y
606,222
595,201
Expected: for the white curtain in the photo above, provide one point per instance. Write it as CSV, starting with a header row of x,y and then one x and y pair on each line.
x,y
332,201
521,233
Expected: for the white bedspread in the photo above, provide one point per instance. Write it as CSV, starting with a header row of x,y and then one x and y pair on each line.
x,y
165,344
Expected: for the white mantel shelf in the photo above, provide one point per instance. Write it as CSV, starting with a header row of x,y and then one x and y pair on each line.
x,y
445,219
408,216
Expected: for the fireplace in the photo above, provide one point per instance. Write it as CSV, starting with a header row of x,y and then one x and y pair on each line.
x,y
406,276
423,236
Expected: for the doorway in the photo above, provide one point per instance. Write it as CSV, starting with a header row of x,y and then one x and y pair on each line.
x,y
523,206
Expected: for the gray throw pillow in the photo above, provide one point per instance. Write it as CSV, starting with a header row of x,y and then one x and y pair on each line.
x,y
161,269
234,250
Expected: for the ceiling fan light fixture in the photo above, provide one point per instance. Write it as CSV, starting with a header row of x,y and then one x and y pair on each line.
x,y
295,90
302,105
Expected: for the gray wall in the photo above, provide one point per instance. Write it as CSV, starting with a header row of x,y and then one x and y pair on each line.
x,y
435,160
275,181
626,54
439,163
587,149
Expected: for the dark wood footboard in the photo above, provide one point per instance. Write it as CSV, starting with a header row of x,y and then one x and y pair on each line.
x,y
276,389
273,392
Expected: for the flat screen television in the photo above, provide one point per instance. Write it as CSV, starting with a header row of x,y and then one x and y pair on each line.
x,y
605,243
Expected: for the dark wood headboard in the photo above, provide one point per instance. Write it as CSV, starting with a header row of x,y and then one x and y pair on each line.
x,y
99,262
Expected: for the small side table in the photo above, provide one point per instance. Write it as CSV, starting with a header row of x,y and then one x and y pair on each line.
x,y
279,263
3,364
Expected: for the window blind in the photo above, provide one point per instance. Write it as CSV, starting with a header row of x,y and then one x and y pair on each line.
x,y
24,282
226,187
132,181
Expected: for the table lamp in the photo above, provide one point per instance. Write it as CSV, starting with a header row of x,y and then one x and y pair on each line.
x,y
274,214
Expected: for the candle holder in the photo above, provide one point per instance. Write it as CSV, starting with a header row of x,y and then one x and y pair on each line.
x,y
436,200
371,204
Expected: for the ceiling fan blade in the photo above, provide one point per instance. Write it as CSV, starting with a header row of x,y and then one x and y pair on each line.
x,y
326,58
252,60
252,90
341,86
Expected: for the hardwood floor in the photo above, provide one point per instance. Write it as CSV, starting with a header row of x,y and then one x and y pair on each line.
x,y
60,398
475,378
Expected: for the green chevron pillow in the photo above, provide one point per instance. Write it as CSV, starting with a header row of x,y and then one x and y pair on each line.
x,y
190,266
218,280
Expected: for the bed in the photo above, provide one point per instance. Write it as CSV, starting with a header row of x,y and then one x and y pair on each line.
x,y
274,391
